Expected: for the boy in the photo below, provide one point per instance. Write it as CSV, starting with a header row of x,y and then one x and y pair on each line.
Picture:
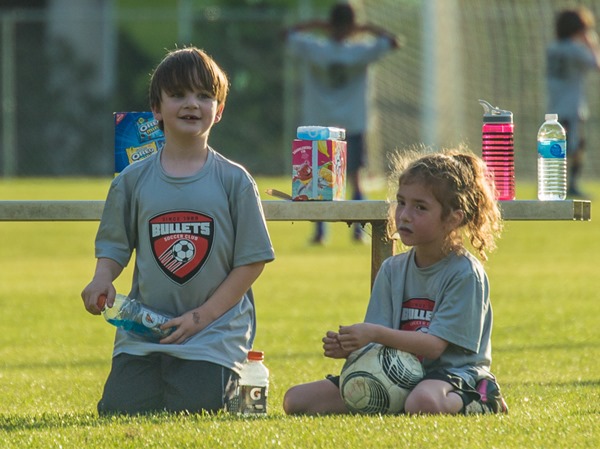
x,y
186,193
575,52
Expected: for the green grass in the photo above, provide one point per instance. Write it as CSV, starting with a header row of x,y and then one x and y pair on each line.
x,y
54,357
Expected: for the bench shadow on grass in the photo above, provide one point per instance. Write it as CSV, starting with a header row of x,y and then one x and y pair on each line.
x,y
47,421
562,346
55,364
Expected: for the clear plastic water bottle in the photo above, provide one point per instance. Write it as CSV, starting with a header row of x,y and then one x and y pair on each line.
x,y
552,160
497,149
138,318
253,387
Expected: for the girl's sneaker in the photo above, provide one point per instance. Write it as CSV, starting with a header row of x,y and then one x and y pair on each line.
x,y
491,400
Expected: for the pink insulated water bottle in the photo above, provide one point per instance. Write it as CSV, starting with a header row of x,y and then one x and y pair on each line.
x,y
497,149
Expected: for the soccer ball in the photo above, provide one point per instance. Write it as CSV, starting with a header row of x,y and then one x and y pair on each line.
x,y
378,379
183,250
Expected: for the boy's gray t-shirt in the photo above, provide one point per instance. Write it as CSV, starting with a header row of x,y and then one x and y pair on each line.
x,y
449,299
188,234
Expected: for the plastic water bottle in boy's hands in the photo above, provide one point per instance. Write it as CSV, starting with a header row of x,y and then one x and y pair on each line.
x,y
133,316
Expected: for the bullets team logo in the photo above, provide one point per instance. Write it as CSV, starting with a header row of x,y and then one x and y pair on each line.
x,y
181,242
416,314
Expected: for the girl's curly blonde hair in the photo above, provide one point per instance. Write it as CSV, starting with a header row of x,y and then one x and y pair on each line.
x,y
458,180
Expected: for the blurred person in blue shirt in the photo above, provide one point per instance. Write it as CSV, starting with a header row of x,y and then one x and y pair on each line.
x,y
334,56
569,58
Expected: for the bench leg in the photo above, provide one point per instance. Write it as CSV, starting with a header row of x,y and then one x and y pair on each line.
x,y
381,247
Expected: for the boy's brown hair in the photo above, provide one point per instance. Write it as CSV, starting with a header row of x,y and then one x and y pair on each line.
x,y
188,69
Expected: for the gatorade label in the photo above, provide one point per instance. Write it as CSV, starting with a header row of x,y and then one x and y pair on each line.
x,y
253,400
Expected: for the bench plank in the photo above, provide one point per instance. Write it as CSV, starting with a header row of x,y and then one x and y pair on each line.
x,y
344,211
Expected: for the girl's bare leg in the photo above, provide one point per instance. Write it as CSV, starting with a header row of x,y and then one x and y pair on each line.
x,y
433,396
321,397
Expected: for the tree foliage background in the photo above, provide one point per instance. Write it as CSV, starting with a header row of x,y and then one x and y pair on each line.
x,y
65,127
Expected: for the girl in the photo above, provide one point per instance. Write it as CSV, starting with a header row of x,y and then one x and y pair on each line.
x,y
433,300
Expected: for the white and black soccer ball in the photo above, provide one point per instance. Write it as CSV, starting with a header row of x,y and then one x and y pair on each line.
x,y
377,379
183,250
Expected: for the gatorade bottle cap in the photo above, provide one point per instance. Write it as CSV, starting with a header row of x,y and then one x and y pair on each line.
x,y
256,355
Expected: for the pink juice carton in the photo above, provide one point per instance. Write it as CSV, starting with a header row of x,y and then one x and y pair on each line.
x,y
137,136
318,170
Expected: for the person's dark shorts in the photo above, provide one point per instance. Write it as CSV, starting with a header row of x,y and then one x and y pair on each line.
x,y
159,382
575,136
356,156
467,392
334,379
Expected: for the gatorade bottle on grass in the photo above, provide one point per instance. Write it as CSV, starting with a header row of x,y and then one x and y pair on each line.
x,y
253,387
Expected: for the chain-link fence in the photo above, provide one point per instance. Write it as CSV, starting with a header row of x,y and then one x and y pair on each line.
x,y
458,51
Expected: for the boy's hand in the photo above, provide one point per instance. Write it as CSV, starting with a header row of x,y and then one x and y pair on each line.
x,y
332,347
101,286
187,325
591,38
96,295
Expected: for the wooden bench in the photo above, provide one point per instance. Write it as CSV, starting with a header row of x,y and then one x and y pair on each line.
x,y
365,212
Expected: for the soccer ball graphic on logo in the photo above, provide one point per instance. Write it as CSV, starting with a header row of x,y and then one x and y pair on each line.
x,y
183,250
377,379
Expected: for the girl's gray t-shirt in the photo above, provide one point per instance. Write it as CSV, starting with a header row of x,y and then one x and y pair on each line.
x,y
449,299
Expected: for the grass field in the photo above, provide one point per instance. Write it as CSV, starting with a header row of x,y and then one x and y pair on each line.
x,y
54,357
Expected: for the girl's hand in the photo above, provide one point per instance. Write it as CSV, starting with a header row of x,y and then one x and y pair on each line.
x,y
332,347
356,336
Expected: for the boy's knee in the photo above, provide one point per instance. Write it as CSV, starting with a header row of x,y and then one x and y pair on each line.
x,y
121,405
108,408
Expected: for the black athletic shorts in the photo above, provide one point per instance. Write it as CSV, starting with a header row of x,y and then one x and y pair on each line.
x,y
355,153
159,382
